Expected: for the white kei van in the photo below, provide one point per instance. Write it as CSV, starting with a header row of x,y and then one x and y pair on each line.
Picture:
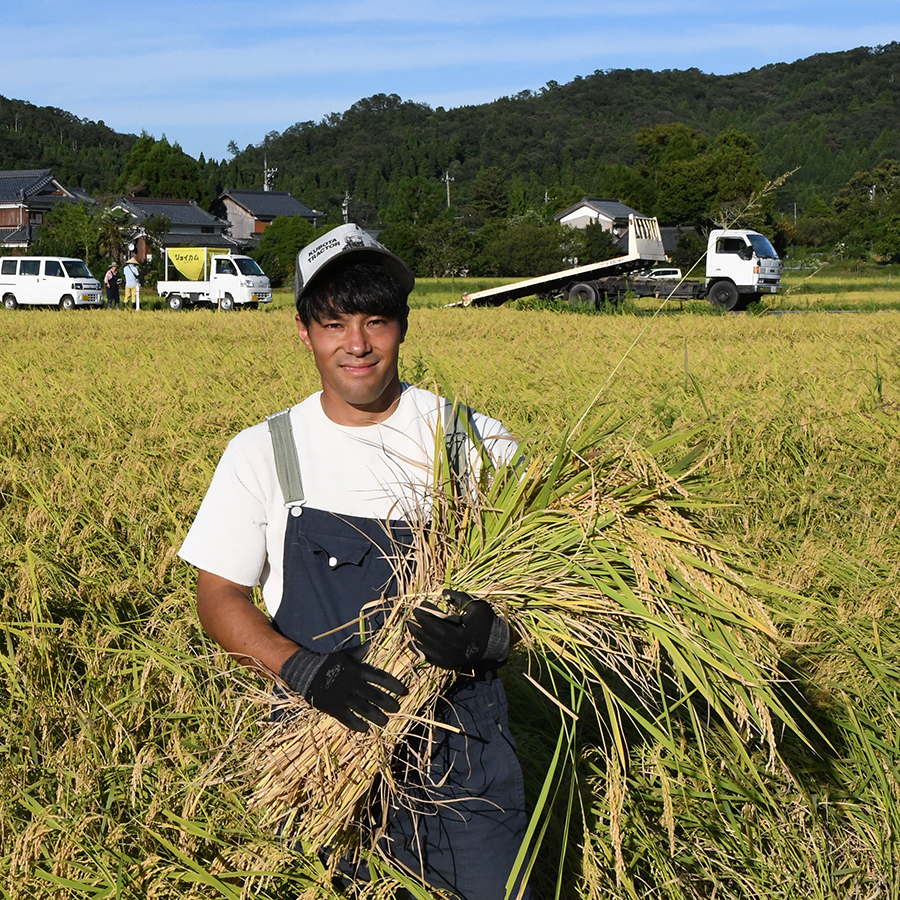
x,y
48,281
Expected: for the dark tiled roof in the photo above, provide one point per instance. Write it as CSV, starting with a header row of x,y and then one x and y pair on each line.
x,y
178,212
614,209
15,236
269,204
200,240
20,183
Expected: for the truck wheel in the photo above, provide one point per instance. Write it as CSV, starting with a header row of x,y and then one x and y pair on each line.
x,y
226,304
582,294
175,301
67,302
10,302
724,295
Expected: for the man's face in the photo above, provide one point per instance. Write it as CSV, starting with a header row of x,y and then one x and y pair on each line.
x,y
356,355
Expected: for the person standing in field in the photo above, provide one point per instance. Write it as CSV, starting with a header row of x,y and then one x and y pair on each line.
x,y
302,505
132,282
111,283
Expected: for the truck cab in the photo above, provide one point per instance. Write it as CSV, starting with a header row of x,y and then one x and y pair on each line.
x,y
741,265
237,280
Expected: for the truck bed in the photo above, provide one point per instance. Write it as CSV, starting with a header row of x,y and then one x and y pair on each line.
x,y
645,248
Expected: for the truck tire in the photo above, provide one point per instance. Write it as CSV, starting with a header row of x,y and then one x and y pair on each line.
x,y
724,295
226,304
10,302
67,302
582,294
175,301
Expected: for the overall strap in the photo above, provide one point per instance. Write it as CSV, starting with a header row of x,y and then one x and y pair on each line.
x,y
287,463
456,440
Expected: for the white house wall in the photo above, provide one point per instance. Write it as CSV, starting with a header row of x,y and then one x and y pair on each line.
x,y
581,218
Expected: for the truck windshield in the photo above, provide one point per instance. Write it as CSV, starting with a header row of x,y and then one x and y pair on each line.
x,y
77,268
248,266
761,246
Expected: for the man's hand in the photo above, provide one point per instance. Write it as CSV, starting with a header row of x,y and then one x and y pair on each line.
x,y
460,641
343,686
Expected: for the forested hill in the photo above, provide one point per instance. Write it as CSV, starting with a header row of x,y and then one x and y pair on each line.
x,y
80,152
831,115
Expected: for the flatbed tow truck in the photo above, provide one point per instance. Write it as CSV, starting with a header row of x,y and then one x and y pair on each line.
x,y
741,266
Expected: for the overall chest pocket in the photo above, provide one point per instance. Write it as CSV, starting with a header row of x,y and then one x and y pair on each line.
x,y
337,570
337,550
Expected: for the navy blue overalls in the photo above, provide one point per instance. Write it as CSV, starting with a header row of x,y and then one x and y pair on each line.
x,y
463,817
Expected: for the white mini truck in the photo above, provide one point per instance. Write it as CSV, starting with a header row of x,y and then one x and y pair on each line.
x,y
212,278
48,281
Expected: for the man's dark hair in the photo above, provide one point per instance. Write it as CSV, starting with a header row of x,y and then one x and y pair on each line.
x,y
354,286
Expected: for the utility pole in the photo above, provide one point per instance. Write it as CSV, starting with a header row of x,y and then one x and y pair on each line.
x,y
345,207
447,179
268,175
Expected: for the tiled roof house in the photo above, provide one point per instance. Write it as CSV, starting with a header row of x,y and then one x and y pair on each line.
x,y
190,223
251,212
611,214
26,195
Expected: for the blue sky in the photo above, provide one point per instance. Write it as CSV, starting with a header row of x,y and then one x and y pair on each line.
x,y
205,72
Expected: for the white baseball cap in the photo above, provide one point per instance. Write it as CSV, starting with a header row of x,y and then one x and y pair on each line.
x,y
338,243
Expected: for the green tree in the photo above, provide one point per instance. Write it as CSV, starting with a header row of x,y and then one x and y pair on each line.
x,y
113,228
866,208
279,245
490,194
818,226
596,244
689,251
415,201
521,249
156,168
407,241
69,229
445,249
735,170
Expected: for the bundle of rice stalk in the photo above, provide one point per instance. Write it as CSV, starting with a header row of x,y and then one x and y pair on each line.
x,y
591,555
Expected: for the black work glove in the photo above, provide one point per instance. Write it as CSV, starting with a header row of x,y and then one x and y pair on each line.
x,y
343,686
460,641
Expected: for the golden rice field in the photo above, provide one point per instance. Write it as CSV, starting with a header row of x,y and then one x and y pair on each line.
x,y
123,728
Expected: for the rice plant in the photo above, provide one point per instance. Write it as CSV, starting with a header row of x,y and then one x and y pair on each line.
x,y
121,725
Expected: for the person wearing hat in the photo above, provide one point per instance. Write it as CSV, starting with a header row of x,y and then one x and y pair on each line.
x,y
299,505
111,282
132,282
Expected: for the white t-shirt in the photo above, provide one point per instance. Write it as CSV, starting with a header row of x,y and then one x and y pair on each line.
x,y
382,472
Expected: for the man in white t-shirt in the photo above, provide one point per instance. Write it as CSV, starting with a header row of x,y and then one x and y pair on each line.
x,y
299,505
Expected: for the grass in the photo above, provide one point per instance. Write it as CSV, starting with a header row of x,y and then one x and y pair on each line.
x,y
118,719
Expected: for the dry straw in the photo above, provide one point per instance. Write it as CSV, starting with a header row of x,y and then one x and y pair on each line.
x,y
617,597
